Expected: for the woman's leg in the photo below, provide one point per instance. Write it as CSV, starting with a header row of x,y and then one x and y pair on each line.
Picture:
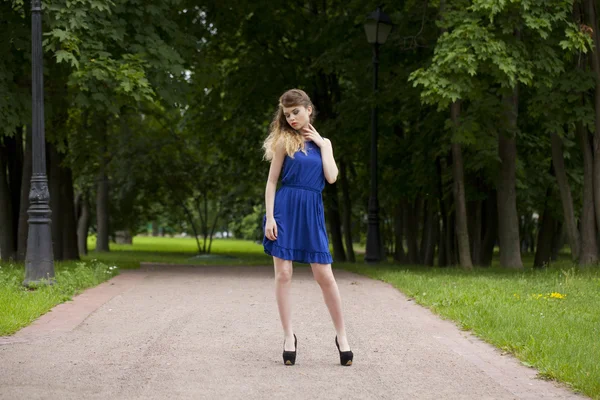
x,y
331,294
283,284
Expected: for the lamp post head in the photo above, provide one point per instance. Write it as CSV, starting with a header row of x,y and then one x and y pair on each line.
x,y
378,26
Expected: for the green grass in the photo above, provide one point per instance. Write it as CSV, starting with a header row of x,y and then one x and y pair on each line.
x,y
517,312
20,306
180,251
513,310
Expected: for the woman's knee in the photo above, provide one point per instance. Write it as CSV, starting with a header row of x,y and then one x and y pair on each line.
x,y
283,276
323,275
283,271
325,281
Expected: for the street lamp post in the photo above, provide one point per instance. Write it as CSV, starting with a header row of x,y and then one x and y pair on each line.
x,y
39,261
377,28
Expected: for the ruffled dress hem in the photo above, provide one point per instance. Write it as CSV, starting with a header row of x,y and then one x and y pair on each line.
x,y
297,255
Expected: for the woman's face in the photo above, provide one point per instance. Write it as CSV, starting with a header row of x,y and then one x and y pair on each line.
x,y
297,116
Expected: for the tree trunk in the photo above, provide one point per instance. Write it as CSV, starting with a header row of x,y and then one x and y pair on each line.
x,y
212,229
508,219
435,242
443,259
83,224
384,238
527,233
69,240
558,240
462,230
558,163
7,244
411,231
192,224
24,203
442,252
592,21
490,229
447,245
430,229
54,185
399,253
423,218
14,145
547,226
333,217
475,231
589,245
347,213
451,242
204,224
102,213
451,239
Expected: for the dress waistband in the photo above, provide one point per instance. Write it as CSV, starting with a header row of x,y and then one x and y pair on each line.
x,y
302,187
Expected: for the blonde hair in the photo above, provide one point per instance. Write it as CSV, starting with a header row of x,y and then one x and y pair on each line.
x,y
280,131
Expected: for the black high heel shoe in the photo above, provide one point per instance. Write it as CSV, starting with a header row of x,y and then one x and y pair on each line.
x,y
346,357
289,357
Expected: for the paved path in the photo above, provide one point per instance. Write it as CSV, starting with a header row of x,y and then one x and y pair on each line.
x,y
177,332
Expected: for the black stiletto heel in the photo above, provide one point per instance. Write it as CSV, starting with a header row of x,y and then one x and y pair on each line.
x,y
346,357
289,357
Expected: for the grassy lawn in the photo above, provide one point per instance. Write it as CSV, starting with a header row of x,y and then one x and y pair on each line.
x,y
19,306
548,318
180,251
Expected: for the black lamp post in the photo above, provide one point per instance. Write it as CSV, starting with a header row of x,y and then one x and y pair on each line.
x,y
39,262
377,28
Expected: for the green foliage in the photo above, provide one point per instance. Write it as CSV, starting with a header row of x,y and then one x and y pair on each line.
x,y
577,40
15,66
176,97
20,306
250,227
483,40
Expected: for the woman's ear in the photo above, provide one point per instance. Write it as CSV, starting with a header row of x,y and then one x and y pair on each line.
x,y
309,110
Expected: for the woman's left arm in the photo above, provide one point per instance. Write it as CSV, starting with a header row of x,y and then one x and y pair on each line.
x,y
329,166
330,169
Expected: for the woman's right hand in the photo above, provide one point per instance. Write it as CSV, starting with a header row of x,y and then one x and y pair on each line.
x,y
271,229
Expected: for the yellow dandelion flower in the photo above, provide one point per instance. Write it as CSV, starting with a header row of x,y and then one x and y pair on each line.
x,y
556,295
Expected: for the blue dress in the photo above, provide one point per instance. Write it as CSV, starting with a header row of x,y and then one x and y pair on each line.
x,y
298,210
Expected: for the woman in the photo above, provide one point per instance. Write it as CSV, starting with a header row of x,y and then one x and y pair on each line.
x,y
294,223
